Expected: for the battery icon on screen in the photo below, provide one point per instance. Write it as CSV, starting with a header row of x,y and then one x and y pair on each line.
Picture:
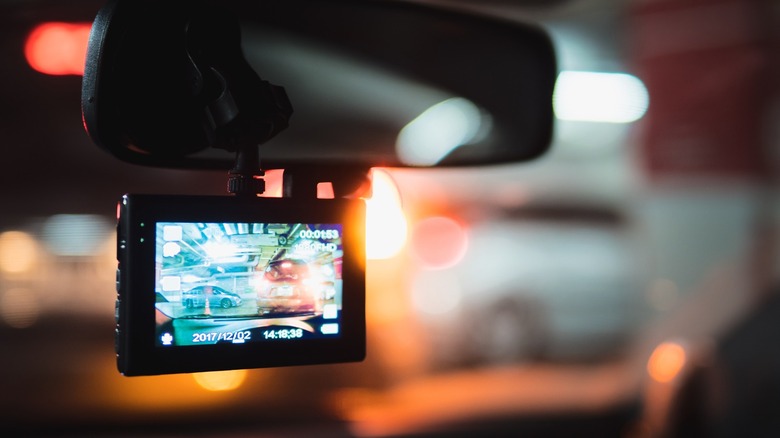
x,y
329,329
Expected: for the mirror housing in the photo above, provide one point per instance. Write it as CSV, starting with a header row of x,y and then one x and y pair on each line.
x,y
373,84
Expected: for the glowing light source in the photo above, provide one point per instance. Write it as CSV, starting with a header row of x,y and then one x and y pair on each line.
x,y
386,225
439,130
600,97
666,362
439,242
18,252
57,48
220,380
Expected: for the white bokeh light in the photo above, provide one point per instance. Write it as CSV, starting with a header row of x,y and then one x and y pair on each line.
x,y
600,97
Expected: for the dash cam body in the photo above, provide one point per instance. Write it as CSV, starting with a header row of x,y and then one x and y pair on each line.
x,y
210,283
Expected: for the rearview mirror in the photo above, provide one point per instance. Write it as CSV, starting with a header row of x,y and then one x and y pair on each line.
x,y
375,83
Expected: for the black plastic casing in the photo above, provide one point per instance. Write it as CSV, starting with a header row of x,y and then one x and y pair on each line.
x,y
137,352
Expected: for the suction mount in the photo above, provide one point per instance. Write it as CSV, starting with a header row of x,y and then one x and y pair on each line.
x,y
238,110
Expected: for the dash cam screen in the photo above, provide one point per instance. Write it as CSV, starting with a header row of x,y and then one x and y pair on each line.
x,y
237,283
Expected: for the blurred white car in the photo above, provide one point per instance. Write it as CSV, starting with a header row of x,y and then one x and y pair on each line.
x,y
558,286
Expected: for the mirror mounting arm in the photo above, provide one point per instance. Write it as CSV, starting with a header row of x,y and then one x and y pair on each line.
x,y
237,110
246,177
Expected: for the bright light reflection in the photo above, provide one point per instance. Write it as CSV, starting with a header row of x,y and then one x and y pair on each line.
x,y
18,252
600,97
221,380
58,48
666,362
386,225
439,130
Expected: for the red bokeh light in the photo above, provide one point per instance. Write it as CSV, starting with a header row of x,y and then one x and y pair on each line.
x,y
439,242
58,48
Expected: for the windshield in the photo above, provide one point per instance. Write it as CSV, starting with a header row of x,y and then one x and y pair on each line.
x,y
570,295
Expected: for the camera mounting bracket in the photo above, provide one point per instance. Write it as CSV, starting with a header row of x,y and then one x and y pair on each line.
x,y
239,110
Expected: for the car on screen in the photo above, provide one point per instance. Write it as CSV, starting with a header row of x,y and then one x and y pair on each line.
x,y
288,286
208,295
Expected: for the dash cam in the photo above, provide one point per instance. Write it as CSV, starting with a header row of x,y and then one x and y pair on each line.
x,y
215,283
210,283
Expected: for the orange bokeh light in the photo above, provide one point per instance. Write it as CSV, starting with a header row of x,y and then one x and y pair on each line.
x,y
666,362
386,225
57,48
221,380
